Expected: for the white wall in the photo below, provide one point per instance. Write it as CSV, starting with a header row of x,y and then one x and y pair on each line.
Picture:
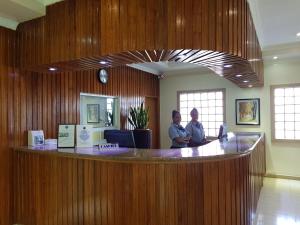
x,y
282,158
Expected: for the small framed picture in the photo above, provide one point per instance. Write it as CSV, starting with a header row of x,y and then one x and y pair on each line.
x,y
66,136
93,113
247,111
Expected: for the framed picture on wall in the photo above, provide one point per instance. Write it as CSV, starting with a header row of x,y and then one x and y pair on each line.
x,y
247,111
93,113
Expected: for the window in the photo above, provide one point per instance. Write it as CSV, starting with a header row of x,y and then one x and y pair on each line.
x,y
285,103
210,105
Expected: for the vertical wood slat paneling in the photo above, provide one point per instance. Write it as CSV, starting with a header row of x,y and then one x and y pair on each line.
x,y
7,80
86,191
56,97
63,38
121,26
41,101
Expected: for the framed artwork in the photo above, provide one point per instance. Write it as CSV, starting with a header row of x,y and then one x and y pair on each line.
x,y
66,136
247,111
93,113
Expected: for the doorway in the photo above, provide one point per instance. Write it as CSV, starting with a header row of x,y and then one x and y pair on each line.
x,y
152,103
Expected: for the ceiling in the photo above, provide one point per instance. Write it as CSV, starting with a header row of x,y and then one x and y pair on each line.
x,y
13,12
169,68
277,25
276,21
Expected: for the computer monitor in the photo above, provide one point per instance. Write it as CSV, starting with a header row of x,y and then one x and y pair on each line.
x,y
222,131
123,137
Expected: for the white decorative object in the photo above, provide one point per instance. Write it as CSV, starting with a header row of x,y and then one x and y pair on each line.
x,y
66,136
84,135
36,137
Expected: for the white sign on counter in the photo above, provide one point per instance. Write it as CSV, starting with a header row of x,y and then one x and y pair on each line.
x,y
84,135
36,137
66,136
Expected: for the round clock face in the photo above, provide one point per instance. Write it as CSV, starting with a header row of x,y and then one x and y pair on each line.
x,y
103,76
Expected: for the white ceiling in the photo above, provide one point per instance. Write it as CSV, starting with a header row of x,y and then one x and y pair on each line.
x,y
277,23
13,12
169,68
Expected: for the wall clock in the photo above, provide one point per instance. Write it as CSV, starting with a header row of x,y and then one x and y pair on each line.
x,y
103,76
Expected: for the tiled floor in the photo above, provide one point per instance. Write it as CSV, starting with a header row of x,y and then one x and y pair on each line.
x,y
279,203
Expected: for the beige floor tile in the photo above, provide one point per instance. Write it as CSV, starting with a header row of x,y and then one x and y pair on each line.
x,y
279,203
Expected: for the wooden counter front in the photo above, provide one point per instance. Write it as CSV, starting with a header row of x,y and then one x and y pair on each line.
x,y
147,187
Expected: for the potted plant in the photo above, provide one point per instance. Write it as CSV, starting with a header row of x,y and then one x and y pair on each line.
x,y
139,119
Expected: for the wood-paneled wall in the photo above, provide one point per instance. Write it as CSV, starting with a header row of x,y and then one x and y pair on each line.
x,y
7,54
31,100
45,100
83,29
56,190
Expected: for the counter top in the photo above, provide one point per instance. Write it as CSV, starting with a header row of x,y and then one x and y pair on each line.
x,y
235,145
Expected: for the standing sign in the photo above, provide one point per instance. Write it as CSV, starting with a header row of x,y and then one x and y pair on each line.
x,y
36,137
66,136
84,135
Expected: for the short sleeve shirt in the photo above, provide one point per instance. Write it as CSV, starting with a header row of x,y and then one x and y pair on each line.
x,y
177,131
196,131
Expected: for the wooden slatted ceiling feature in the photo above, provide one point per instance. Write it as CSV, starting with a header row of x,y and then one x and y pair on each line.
x,y
64,38
63,190
216,61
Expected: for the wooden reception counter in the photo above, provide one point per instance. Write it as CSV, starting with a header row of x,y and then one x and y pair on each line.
x,y
215,184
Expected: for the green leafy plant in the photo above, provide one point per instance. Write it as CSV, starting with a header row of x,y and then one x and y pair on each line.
x,y
139,117
109,118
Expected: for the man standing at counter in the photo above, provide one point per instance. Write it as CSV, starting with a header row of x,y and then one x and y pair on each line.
x,y
180,137
195,129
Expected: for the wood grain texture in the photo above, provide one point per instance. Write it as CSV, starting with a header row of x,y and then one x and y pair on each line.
x,y
75,35
47,100
215,61
64,39
7,78
86,191
31,100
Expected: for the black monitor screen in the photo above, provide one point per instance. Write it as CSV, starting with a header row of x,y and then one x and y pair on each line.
x,y
123,137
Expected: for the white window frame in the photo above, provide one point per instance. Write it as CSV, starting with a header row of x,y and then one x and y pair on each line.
x,y
272,98
223,90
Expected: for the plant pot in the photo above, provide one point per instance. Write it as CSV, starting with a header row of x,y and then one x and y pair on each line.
x,y
142,138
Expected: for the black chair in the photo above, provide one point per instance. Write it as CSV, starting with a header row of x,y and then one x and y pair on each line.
x,y
123,137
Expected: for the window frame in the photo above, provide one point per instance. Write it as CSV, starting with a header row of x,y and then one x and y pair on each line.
x,y
223,90
272,109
